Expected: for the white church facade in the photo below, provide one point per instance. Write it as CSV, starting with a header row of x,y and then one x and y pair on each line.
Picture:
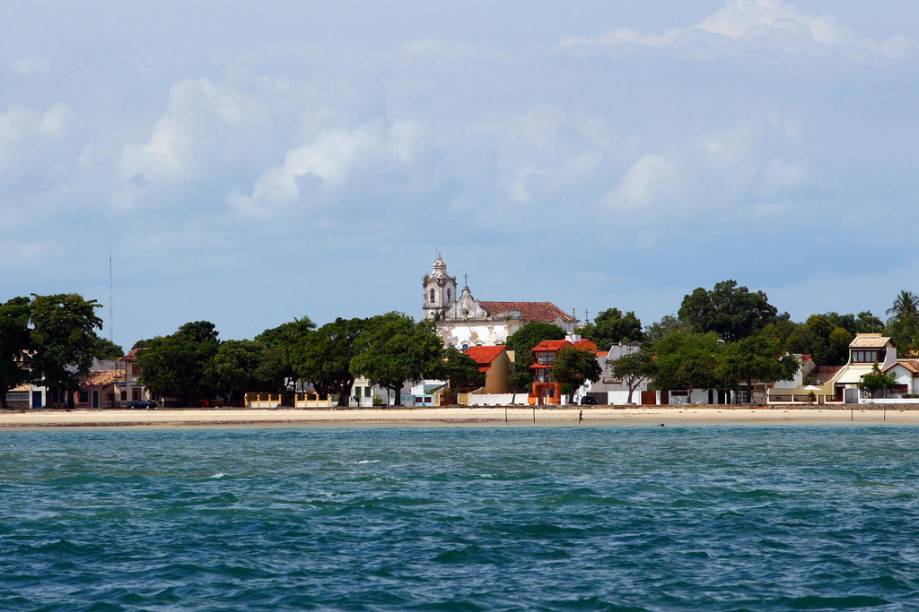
x,y
463,321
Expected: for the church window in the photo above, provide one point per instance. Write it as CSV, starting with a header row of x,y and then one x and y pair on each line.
x,y
449,295
432,296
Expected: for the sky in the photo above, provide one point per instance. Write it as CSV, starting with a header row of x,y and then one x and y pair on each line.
x,y
248,163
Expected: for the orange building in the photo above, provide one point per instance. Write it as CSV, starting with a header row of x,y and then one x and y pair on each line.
x,y
545,391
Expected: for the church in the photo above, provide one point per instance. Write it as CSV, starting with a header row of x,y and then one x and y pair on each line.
x,y
463,321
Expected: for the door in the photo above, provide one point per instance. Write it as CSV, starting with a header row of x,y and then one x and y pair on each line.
x,y
665,397
95,399
648,398
851,396
36,399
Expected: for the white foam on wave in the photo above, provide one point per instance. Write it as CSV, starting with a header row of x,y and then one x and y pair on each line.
x,y
217,475
364,461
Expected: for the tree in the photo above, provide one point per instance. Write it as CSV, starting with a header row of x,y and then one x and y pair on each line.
x,y
237,366
324,356
521,343
64,341
905,307
392,349
730,311
573,366
107,350
611,327
15,342
687,361
824,338
280,342
635,368
755,359
182,365
877,381
461,371
904,333
668,324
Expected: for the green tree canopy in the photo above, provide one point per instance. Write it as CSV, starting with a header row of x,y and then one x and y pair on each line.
x,y
239,368
521,343
64,340
280,343
611,327
667,325
687,361
731,311
324,356
108,350
635,368
392,349
182,365
15,342
573,366
823,337
758,358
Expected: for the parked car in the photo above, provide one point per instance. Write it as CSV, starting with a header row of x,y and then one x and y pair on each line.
x,y
588,400
148,404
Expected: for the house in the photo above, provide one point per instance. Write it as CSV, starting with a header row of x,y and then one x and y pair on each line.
x,y
494,363
617,391
546,391
27,396
127,385
97,390
839,384
364,393
428,393
906,373
463,321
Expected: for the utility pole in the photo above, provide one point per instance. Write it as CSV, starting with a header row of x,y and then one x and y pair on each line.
x,y
111,309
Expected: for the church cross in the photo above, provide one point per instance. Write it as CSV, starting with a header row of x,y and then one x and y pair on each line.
x,y
466,280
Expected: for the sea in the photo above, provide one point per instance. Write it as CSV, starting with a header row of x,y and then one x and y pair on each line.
x,y
503,518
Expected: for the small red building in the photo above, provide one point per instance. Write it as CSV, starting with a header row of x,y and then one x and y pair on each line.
x,y
545,391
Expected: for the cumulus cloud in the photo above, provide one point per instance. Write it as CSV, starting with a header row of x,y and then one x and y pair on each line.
x,y
713,172
767,24
203,121
329,162
24,130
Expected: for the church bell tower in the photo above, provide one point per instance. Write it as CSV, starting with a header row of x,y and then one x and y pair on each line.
x,y
439,291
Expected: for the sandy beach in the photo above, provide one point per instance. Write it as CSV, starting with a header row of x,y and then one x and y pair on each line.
x,y
432,417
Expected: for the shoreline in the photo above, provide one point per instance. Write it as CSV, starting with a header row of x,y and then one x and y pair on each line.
x,y
455,417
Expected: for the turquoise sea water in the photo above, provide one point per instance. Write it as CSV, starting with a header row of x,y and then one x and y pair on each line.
x,y
659,518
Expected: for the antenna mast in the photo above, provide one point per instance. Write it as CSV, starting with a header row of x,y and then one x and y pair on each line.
x,y
111,309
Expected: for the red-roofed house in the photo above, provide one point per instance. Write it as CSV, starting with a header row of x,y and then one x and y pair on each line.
x,y
463,321
546,391
494,363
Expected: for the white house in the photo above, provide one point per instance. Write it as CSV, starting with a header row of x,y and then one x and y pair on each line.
x,y
906,373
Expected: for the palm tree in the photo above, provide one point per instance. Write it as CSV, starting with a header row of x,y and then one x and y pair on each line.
x,y
905,307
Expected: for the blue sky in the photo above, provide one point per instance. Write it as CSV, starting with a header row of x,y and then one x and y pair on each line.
x,y
252,163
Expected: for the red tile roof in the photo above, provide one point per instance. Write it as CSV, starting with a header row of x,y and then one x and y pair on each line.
x,y
545,312
101,378
484,355
551,346
586,345
911,365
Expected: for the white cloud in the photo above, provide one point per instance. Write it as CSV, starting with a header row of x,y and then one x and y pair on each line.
x,y
203,122
328,162
28,66
714,171
768,24
24,129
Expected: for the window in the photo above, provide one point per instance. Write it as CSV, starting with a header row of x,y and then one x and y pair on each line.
x,y
368,392
449,295
84,396
124,395
865,356
357,392
432,296
135,394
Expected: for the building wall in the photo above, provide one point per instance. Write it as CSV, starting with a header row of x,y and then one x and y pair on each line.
x,y
476,333
496,376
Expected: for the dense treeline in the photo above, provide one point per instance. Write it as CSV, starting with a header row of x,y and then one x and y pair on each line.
x,y
193,364
724,337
